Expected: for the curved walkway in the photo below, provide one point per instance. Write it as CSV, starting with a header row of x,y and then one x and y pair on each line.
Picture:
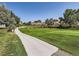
x,y
34,46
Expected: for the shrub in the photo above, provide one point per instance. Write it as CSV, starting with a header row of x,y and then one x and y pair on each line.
x,y
11,28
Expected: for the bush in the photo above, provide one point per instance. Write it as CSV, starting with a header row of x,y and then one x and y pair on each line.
x,y
64,25
11,28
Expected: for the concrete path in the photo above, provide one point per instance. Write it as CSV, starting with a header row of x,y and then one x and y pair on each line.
x,y
34,46
62,53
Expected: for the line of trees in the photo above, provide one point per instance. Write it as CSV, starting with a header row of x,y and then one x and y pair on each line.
x,y
70,19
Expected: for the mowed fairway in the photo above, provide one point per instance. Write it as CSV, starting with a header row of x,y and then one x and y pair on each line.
x,y
65,39
10,44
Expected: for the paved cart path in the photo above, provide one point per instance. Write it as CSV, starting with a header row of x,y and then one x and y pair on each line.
x,y
35,46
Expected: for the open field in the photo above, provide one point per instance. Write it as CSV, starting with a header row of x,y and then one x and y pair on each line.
x,y
10,45
65,39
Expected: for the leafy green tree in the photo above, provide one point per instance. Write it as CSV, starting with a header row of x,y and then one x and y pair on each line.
x,y
8,17
61,19
50,22
67,14
71,17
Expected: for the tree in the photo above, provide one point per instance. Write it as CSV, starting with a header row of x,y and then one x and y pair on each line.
x,y
37,21
67,14
70,17
47,21
52,22
61,18
8,17
17,19
29,23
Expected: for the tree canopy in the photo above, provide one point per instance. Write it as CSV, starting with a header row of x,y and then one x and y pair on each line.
x,y
8,17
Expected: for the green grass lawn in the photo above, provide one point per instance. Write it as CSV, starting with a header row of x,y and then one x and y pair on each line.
x,y
10,44
65,39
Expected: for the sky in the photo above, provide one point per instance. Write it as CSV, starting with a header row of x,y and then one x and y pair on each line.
x,y
31,11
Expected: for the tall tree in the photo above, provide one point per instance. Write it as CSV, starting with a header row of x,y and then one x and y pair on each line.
x,y
70,16
8,17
